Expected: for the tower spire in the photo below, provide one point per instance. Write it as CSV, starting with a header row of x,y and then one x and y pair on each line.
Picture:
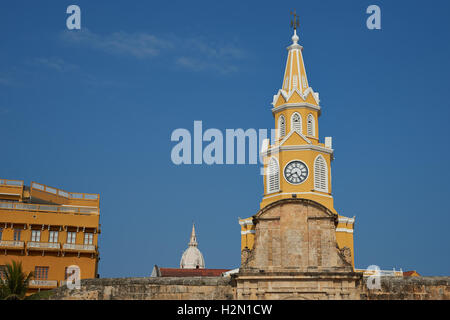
x,y
295,78
193,241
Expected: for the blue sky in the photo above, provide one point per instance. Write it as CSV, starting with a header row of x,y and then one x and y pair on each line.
x,y
93,111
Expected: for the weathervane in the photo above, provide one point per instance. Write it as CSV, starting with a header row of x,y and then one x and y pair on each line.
x,y
294,21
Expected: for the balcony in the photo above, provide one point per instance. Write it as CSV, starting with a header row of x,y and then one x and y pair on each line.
x,y
43,284
78,247
7,244
11,189
54,195
46,208
52,246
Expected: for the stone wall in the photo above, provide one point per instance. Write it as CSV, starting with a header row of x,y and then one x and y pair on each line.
x,y
409,288
200,288
285,285
220,288
295,234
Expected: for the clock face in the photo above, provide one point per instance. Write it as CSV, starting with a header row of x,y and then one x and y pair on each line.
x,y
296,172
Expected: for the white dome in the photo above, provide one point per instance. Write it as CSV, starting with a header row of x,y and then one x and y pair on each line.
x,y
192,257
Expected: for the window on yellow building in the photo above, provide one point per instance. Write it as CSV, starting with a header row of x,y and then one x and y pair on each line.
x,y
53,236
36,235
17,234
1,233
88,238
71,237
41,273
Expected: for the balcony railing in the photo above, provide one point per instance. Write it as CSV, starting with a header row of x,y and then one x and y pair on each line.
x,y
43,283
46,208
43,245
65,194
11,244
13,183
78,247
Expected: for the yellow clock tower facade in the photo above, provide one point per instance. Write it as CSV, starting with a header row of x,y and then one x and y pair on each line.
x,y
297,165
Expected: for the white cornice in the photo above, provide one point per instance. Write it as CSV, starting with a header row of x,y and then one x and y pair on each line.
x,y
245,222
346,220
277,149
297,193
344,230
295,106
294,46
287,95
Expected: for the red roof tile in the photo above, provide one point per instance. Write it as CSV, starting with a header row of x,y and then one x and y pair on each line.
x,y
175,272
410,273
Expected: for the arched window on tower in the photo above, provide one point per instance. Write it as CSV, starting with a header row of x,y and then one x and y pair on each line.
x,y
282,126
273,176
296,122
320,174
311,126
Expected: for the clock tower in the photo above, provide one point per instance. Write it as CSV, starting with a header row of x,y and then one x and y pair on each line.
x,y
297,225
297,164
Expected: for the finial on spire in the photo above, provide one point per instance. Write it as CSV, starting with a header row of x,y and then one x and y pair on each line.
x,y
294,21
294,24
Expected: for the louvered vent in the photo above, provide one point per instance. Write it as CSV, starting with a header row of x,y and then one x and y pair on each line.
x,y
296,122
320,174
311,125
282,126
273,176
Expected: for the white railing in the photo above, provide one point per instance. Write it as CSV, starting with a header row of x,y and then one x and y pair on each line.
x,y
65,194
78,247
14,183
11,244
43,245
47,208
43,283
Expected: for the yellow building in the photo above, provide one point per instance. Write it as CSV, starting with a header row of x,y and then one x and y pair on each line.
x,y
297,164
48,230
